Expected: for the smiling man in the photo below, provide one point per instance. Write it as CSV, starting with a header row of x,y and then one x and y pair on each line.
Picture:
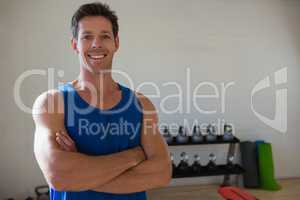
x,y
118,153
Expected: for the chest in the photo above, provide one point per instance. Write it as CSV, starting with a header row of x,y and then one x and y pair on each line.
x,y
101,134
102,101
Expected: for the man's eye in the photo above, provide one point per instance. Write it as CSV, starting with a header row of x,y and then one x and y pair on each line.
x,y
106,37
87,37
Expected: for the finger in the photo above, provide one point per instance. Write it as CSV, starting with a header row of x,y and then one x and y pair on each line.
x,y
61,143
65,133
71,146
65,146
68,137
66,140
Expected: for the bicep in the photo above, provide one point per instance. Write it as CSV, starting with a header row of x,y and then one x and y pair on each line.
x,y
151,139
46,124
156,150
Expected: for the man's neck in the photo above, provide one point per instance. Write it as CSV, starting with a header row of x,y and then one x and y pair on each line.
x,y
100,83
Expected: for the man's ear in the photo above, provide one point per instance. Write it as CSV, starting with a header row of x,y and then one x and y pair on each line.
x,y
74,45
117,42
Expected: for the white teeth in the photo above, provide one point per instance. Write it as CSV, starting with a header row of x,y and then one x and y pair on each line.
x,y
97,57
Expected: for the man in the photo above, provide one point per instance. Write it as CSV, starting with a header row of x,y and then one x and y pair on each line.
x,y
81,143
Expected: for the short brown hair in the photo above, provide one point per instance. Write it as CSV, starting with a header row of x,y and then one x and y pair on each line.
x,y
94,9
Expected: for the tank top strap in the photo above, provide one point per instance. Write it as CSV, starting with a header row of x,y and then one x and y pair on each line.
x,y
129,99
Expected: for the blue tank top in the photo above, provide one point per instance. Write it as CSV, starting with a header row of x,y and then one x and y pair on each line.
x,y
101,132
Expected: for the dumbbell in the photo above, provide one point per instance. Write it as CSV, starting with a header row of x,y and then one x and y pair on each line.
x,y
42,192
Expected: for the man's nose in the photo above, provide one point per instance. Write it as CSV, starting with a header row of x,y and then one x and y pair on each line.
x,y
97,43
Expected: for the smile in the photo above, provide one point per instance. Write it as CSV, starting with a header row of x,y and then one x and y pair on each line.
x,y
97,57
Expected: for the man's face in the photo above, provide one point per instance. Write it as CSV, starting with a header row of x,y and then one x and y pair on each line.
x,y
95,44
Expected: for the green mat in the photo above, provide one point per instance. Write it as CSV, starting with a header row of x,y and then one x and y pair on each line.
x,y
266,167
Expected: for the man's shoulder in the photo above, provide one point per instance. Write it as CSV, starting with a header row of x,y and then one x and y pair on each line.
x,y
50,101
145,101
48,111
148,107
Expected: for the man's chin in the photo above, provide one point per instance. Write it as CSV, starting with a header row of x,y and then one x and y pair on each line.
x,y
98,69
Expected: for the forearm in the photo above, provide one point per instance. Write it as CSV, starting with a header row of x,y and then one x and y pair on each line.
x,y
149,174
75,171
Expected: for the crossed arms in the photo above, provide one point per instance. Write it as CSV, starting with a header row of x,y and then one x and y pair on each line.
x,y
133,170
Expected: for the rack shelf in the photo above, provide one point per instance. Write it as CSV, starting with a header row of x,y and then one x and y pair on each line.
x,y
220,170
219,140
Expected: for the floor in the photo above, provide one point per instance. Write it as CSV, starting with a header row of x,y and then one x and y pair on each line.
x,y
290,191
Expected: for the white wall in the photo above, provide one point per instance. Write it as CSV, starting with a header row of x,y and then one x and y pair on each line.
x,y
221,41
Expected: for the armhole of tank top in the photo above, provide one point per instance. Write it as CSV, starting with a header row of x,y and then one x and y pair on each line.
x,y
139,107
63,91
138,103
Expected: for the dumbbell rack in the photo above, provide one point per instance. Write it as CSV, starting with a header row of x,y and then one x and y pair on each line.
x,y
221,169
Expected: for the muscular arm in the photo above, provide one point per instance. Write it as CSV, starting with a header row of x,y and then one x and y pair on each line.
x,y
72,171
156,170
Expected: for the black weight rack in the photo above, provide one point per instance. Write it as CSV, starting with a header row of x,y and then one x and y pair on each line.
x,y
221,169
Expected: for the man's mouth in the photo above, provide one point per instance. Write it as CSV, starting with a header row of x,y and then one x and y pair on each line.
x,y
97,57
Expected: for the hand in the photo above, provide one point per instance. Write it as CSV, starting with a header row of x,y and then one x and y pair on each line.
x,y
65,142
